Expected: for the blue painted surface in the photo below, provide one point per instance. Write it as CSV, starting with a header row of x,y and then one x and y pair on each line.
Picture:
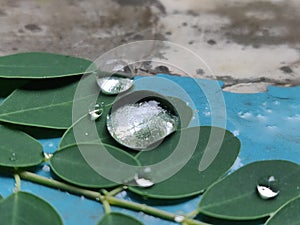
x,y
268,125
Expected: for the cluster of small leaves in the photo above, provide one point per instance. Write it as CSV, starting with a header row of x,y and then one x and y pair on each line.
x,y
39,91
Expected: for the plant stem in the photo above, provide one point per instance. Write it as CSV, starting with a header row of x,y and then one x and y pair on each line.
x,y
17,182
107,199
60,185
193,213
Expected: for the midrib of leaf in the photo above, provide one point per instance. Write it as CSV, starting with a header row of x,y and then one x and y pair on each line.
x,y
42,107
14,222
220,203
26,66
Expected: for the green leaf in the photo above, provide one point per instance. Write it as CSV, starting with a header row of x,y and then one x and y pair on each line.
x,y
189,143
23,208
76,134
17,149
43,65
185,112
287,214
74,158
115,218
52,107
236,197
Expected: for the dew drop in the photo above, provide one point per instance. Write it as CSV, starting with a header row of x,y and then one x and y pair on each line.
x,y
120,78
143,178
13,157
141,125
95,111
179,218
46,168
268,187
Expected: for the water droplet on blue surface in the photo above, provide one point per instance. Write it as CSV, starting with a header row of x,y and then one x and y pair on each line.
x,y
46,168
141,125
95,111
268,187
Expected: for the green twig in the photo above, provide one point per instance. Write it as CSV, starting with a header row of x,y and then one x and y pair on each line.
x,y
17,182
60,185
108,199
193,213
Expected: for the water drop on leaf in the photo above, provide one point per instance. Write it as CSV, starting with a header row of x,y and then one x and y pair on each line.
x,y
267,187
143,178
140,125
95,111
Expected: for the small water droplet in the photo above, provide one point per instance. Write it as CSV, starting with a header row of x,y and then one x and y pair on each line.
x,y
179,218
141,125
268,187
143,178
46,168
95,111
245,115
13,157
143,182
236,133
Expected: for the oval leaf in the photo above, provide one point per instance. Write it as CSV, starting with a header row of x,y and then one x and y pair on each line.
x,y
51,107
76,134
189,180
43,65
236,196
23,208
17,149
70,159
115,218
288,214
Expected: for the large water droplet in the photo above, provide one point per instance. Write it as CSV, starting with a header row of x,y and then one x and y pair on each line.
x,y
268,187
13,157
95,111
140,125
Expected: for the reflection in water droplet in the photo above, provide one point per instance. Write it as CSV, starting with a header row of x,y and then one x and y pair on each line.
x,y
140,125
13,157
143,178
95,111
115,84
268,187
